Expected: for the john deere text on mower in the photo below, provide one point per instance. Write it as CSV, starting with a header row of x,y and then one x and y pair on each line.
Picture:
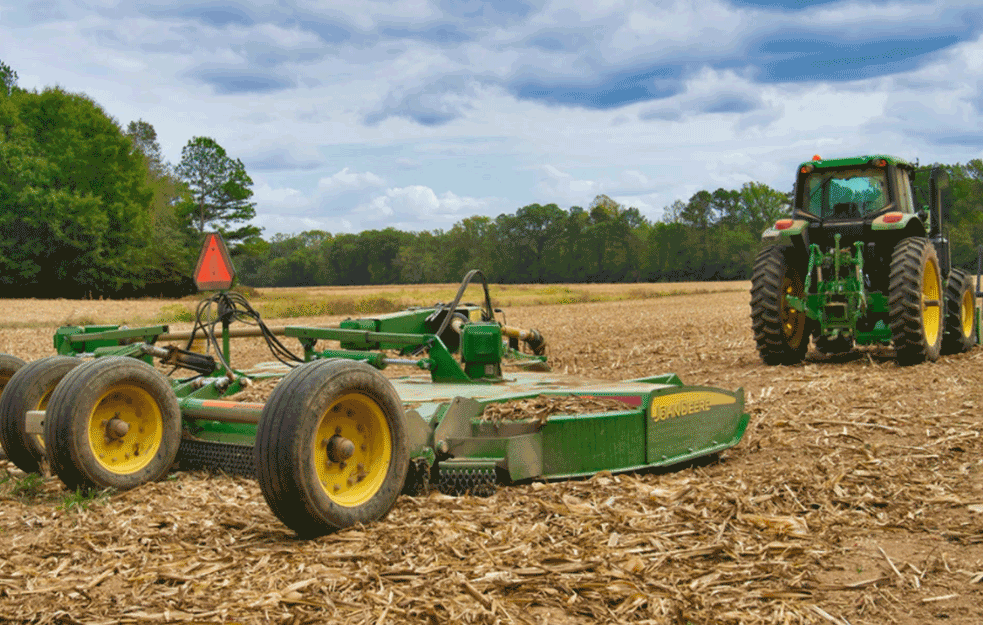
x,y
337,441
858,263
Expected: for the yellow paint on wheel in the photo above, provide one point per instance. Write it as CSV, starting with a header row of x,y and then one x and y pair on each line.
x,y
931,302
125,429
967,312
352,449
793,321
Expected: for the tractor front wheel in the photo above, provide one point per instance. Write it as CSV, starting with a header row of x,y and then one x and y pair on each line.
x,y
29,389
960,317
331,447
915,301
780,330
112,422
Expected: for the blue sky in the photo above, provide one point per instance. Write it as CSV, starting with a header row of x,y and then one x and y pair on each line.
x,y
416,114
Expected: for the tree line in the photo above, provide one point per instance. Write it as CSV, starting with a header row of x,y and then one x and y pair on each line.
x,y
89,208
712,236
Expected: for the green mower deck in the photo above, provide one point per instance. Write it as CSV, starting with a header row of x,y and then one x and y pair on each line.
x,y
473,405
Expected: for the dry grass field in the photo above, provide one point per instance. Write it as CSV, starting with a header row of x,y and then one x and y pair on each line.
x,y
856,497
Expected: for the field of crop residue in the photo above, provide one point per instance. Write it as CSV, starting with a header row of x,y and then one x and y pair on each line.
x,y
856,497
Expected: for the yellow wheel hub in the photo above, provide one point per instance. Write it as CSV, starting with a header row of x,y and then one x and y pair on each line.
x,y
931,303
793,321
125,429
968,306
352,449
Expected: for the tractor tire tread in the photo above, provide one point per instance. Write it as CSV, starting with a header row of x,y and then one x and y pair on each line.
x,y
906,317
766,292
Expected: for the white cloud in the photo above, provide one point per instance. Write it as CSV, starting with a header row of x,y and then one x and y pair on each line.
x,y
346,180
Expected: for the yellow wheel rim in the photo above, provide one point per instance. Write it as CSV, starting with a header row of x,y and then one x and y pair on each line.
x,y
931,305
352,449
125,429
967,312
793,321
43,405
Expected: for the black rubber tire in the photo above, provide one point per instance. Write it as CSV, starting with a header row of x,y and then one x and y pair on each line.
x,y
781,334
311,399
29,389
915,301
128,389
960,315
9,365
839,345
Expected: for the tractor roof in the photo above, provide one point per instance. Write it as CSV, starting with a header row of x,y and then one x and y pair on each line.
x,y
856,160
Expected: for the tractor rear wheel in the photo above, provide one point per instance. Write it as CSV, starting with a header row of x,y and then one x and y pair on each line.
x,y
29,389
960,317
780,331
331,447
915,301
113,422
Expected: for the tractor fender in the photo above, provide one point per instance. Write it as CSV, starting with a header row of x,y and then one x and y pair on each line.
x,y
790,228
887,222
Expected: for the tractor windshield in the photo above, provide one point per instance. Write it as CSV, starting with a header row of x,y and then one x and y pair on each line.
x,y
846,194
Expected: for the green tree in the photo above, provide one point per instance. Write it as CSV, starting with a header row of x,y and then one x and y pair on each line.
x,y
174,247
8,79
144,138
532,241
219,190
74,201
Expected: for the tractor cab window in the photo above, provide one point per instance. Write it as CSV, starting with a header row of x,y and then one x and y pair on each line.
x,y
847,194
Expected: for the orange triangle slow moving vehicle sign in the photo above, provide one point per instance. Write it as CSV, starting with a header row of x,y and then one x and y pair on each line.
x,y
215,271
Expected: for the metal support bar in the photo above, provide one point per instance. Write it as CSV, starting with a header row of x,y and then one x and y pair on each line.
x,y
219,410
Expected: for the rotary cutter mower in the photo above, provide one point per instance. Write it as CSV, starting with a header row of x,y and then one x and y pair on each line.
x,y
469,403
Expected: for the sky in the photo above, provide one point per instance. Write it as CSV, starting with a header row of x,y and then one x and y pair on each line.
x,y
417,114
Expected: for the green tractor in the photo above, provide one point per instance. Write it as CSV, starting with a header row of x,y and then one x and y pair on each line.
x,y
857,263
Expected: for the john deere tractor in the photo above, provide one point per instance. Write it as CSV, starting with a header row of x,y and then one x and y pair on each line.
x,y
859,263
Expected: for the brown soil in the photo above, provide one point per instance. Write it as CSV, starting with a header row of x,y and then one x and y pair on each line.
x,y
855,498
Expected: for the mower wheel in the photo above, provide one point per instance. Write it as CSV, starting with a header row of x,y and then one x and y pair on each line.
x,y
29,389
9,365
780,331
113,422
960,318
838,345
915,301
331,447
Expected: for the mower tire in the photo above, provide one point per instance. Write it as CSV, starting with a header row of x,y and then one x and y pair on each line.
x,y
29,389
780,331
331,447
915,301
960,318
113,422
9,365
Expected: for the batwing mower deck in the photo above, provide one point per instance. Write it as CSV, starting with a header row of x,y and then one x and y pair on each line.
x,y
337,441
